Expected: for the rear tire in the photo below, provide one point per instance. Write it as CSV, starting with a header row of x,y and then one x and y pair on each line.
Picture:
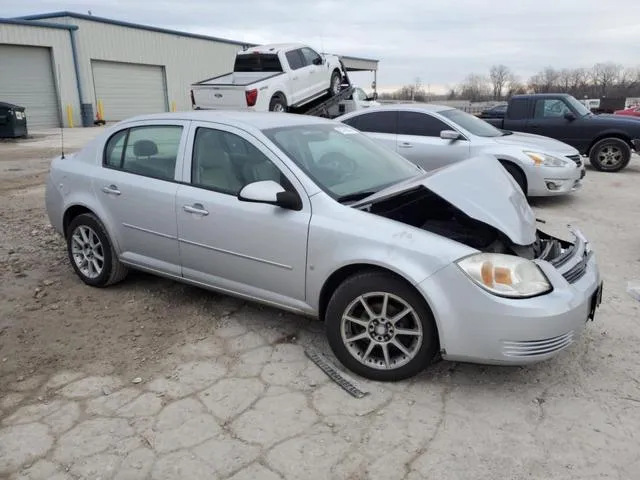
x,y
91,252
610,155
517,175
277,104
376,331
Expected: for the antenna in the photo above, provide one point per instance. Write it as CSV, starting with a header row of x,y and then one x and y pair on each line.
x,y
61,116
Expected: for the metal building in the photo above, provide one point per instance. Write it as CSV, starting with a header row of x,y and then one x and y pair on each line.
x,y
66,68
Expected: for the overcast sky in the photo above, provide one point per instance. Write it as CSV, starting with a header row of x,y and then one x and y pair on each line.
x,y
438,41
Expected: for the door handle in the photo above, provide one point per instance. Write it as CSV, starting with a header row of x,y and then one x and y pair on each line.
x,y
196,208
294,78
111,190
534,125
405,145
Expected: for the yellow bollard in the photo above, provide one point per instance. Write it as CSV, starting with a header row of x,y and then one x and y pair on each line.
x,y
173,106
100,110
70,116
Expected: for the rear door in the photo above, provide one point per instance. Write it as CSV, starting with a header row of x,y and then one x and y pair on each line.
x,y
380,126
419,141
137,186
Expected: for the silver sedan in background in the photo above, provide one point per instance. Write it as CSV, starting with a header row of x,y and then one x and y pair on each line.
x,y
312,216
433,136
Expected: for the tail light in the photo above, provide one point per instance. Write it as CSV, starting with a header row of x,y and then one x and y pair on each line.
x,y
252,97
193,99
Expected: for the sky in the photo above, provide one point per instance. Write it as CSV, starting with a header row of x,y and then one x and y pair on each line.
x,y
437,41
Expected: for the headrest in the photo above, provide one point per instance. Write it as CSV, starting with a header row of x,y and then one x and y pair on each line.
x,y
144,148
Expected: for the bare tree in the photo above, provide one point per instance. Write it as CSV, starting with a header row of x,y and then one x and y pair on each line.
x,y
476,88
499,75
604,75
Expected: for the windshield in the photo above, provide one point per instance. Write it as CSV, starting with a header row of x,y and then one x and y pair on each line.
x,y
341,160
579,107
471,123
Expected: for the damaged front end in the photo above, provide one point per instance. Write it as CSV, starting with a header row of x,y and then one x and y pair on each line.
x,y
421,208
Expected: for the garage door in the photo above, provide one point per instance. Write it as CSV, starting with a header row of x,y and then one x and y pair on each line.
x,y
128,89
27,79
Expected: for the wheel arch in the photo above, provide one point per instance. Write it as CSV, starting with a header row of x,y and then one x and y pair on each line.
x,y
341,274
504,161
281,94
611,134
77,208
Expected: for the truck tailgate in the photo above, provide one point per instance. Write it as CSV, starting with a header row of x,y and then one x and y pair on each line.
x,y
210,96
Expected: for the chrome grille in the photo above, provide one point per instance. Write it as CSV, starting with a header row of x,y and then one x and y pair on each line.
x,y
576,159
534,348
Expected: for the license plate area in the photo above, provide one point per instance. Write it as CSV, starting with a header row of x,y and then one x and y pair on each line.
x,y
596,300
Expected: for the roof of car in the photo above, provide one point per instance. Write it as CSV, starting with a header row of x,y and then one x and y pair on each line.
x,y
259,120
419,107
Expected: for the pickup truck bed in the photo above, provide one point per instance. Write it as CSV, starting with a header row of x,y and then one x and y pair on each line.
x,y
608,140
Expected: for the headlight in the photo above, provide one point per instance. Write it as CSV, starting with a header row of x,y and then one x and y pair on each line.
x,y
505,275
546,160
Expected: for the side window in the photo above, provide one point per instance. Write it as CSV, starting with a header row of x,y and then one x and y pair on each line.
x,y
353,121
378,122
551,108
518,109
151,151
295,59
422,124
225,162
310,56
114,149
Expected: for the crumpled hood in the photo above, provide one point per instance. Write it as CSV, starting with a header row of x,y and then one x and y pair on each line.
x,y
481,188
536,142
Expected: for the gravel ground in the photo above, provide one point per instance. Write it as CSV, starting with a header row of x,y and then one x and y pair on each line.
x,y
153,379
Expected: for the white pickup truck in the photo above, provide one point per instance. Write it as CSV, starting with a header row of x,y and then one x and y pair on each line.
x,y
271,78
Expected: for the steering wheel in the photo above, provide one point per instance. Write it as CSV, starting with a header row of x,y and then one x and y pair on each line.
x,y
338,163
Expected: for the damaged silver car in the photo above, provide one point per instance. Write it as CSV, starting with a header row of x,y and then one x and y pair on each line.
x,y
312,216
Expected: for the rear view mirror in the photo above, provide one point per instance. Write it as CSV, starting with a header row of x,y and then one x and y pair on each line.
x,y
449,135
268,191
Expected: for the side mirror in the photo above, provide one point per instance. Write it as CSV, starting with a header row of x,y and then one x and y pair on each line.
x,y
569,116
450,135
318,61
268,191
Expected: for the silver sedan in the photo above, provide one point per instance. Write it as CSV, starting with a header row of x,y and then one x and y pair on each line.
x,y
310,215
434,136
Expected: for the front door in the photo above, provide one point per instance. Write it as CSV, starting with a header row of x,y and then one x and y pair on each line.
x,y
419,141
318,77
549,121
253,249
136,188
298,76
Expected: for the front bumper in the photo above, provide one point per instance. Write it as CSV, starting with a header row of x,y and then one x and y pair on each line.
x,y
476,326
550,181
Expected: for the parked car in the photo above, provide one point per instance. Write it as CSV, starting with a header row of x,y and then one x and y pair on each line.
x,y
271,78
607,140
433,136
631,111
310,215
497,111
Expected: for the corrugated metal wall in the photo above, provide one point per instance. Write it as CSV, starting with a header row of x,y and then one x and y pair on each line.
x,y
186,60
62,58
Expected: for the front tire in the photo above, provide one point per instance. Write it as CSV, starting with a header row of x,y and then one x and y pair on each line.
x,y
335,85
610,155
380,328
91,252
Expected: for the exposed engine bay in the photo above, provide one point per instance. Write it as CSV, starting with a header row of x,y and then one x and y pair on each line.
x,y
424,209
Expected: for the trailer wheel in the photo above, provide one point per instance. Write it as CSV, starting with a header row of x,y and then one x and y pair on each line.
x,y
277,104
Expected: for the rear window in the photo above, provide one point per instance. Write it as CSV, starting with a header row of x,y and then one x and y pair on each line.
x,y
257,62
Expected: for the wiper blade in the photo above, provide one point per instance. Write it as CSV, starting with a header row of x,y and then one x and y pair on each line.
x,y
352,197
